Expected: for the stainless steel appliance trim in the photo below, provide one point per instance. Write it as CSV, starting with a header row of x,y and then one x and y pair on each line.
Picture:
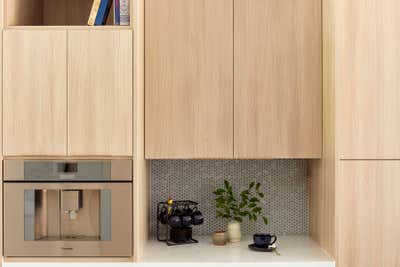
x,y
67,170
120,244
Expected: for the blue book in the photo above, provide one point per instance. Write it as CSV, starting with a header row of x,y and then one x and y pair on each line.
x,y
116,12
103,12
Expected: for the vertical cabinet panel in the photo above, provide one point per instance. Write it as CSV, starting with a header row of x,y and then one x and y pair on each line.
x,y
35,112
278,76
100,92
368,78
189,79
368,214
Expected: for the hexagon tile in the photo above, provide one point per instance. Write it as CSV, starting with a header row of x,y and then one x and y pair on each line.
x,y
284,183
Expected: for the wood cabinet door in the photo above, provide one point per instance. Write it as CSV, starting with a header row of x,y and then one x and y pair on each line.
x,y
278,79
35,92
368,78
368,214
100,92
189,79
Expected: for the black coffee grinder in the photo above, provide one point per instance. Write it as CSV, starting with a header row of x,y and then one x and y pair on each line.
x,y
177,219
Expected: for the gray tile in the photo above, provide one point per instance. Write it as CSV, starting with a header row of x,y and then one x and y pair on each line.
x,y
284,183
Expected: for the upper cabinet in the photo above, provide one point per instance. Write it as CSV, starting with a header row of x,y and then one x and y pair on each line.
x,y
35,91
100,92
189,79
67,93
368,78
242,70
278,79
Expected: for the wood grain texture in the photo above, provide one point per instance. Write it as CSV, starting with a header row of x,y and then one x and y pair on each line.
x,y
368,78
322,173
140,167
35,112
188,78
278,86
23,12
100,92
369,204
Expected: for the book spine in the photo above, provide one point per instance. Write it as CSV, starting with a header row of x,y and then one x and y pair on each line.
x,y
93,12
116,12
100,13
103,13
107,12
124,12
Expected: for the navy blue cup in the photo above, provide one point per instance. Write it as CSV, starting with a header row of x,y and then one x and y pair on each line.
x,y
264,240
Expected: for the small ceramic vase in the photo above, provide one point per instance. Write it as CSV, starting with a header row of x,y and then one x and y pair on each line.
x,y
219,238
234,232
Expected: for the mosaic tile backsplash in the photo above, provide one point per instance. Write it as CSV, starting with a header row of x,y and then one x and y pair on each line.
x,y
284,183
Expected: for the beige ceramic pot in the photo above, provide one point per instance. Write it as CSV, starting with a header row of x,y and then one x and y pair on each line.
x,y
234,232
219,238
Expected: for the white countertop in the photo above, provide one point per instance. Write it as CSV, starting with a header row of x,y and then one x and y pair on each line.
x,y
293,250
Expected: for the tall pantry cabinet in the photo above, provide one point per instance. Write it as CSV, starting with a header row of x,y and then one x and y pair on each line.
x,y
357,188
67,92
233,79
367,49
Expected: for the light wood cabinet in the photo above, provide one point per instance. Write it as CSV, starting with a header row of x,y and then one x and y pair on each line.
x,y
35,91
368,78
189,79
278,79
368,214
100,92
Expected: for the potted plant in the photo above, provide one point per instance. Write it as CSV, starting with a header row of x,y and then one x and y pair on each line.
x,y
236,208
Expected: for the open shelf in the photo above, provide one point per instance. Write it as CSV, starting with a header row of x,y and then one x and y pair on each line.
x,y
52,13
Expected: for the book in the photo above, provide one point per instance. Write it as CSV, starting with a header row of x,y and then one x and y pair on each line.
x,y
124,12
104,11
93,12
116,12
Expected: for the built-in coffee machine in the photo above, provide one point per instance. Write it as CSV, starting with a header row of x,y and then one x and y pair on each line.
x,y
68,208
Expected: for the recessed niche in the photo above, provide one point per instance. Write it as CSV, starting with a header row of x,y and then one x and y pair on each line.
x,y
284,183
49,12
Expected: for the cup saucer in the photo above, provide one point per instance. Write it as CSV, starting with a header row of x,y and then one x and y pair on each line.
x,y
262,249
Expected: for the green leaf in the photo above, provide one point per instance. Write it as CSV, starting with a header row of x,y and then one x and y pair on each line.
x,y
258,186
243,213
219,191
261,195
265,220
226,184
252,205
251,185
257,210
254,199
239,219
255,218
220,199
